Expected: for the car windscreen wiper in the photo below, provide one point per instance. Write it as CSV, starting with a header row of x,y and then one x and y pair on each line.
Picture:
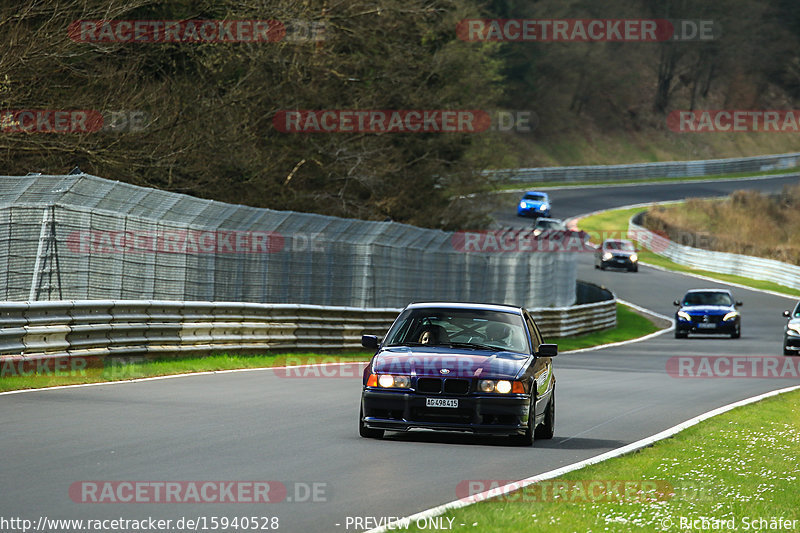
x,y
475,346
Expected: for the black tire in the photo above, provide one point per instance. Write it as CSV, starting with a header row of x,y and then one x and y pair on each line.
x,y
680,334
602,266
364,431
633,269
529,436
596,266
547,429
737,333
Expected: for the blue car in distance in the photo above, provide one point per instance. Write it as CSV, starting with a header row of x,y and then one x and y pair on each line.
x,y
534,204
708,311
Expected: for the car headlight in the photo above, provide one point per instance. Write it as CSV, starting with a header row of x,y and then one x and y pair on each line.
x,y
388,381
501,386
543,207
683,315
730,316
523,205
607,256
634,258
793,330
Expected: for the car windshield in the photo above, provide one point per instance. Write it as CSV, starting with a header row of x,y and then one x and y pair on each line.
x,y
535,197
707,298
619,245
477,328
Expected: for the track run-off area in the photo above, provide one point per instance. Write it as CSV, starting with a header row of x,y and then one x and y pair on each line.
x,y
295,439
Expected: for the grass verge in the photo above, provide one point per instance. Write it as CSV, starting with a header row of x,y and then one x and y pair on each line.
x,y
714,470
630,325
13,377
614,224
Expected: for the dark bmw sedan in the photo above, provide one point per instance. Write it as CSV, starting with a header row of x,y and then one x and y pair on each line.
x,y
460,367
708,311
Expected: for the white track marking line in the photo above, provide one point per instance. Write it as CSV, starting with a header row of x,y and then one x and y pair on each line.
x,y
511,487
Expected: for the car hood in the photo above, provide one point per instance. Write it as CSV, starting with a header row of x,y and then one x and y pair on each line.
x,y
533,203
457,362
707,309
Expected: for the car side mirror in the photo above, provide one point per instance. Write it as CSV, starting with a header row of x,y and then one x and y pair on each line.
x,y
786,313
547,350
738,303
369,341
676,302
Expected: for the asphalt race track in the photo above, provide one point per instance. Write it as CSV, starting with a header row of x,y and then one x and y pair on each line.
x,y
257,426
568,202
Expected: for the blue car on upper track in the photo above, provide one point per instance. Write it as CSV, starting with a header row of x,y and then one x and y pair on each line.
x,y
534,204
708,311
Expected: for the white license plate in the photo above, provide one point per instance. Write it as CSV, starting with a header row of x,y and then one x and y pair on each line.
x,y
440,402
706,325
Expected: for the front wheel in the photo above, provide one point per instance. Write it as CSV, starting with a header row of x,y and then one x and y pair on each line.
x,y
364,431
737,333
680,334
547,428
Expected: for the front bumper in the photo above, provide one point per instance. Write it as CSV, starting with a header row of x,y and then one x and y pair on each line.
x,y
532,212
619,262
476,413
791,342
712,328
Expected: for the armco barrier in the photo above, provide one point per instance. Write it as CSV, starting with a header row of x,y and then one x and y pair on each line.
x,y
722,262
667,169
81,328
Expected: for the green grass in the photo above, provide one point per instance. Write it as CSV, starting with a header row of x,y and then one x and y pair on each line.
x,y
716,469
614,224
134,368
630,325
97,370
549,184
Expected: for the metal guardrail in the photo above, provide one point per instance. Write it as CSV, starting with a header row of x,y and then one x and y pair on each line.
x,y
576,320
99,328
667,169
722,262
